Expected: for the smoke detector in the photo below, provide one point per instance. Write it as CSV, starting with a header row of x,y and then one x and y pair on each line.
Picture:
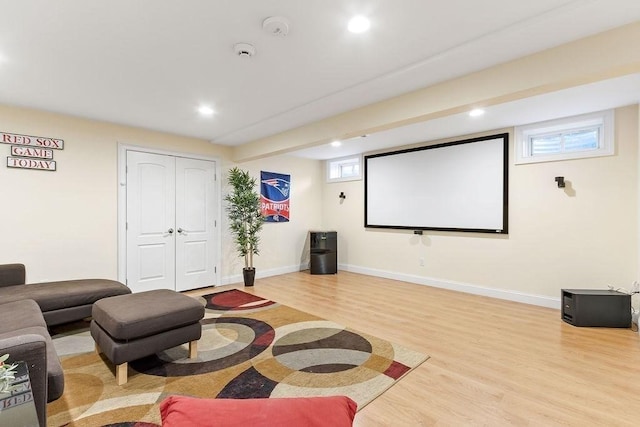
x,y
276,25
244,50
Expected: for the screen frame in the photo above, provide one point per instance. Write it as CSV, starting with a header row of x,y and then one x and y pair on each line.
x,y
505,186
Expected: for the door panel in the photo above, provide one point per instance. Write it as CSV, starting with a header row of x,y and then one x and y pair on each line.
x,y
171,222
154,263
195,221
195,257
150,221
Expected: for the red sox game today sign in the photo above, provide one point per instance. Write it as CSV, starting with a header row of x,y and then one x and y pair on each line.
x,y
31,152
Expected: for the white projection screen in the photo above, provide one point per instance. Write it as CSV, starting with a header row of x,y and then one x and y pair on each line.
x,y
456,186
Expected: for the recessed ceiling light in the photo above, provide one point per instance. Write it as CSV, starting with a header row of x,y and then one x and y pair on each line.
x,y
359,24
205,110
336,143
476,112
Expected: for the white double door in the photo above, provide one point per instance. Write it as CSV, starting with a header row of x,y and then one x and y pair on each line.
x,y
171,216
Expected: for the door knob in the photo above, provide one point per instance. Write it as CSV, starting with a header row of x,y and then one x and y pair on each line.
x,y
180,230
170,231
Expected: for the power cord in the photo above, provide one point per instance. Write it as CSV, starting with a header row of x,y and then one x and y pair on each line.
x,y
634,289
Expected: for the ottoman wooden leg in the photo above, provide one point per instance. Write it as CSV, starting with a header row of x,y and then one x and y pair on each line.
x,y
193,349
121,373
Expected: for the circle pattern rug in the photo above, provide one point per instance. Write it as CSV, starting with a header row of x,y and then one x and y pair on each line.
x,y
250,348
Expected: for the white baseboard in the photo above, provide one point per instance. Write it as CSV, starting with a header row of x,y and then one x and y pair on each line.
x,y
505,294
237,278
510,295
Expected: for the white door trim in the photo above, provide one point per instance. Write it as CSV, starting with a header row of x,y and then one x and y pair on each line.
x,y
122,202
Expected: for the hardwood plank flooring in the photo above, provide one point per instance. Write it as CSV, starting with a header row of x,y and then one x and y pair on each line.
x,y
493,362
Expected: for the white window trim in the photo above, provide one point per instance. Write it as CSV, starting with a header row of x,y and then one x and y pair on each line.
x,y
606,148
340,159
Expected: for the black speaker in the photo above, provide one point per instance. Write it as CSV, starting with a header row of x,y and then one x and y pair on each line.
x,y
324,252
592,307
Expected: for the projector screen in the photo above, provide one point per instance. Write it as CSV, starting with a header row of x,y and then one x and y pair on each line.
x,y
456,186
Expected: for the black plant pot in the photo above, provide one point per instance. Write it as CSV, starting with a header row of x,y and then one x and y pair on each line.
x,y
249,274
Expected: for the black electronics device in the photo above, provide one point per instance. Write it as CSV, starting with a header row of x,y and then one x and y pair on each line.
x,y
324,252
593,307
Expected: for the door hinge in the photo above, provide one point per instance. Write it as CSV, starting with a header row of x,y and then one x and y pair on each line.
x,y
126,225
215,223
215,269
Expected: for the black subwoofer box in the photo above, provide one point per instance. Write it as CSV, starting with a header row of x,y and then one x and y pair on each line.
x,y
592,307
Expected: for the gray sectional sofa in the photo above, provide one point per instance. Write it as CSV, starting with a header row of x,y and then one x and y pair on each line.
x,y
60,302
26,310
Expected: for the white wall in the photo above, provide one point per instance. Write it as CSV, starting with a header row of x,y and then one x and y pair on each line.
x,y
585,236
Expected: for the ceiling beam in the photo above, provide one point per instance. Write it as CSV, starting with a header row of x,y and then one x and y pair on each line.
x,y
606,55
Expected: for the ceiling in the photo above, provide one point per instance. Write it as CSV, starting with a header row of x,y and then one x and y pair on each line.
x,y
152,63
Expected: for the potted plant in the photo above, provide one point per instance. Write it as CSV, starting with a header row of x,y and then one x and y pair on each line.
x,y
245,219
7,374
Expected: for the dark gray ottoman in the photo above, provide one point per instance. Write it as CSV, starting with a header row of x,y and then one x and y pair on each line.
x,y
129,327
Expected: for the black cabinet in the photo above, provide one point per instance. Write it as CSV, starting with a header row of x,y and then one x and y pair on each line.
x,y
324,252
592,307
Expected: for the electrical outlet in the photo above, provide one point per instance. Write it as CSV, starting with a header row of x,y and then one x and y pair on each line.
x,y
421,262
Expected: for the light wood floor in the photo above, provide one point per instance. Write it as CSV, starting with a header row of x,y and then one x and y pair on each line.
x,y
493,362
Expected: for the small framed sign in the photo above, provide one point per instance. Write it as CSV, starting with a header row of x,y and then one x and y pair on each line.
x,y
34,141
40,153
26,163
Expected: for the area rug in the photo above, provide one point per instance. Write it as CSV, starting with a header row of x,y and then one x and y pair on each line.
x,y
250,348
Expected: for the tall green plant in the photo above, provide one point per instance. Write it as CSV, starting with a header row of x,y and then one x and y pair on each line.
x,y
243,209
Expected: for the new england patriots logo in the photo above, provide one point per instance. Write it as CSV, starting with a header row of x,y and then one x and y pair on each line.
x,y
279,184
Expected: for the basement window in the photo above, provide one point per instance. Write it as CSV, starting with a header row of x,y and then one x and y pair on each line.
x,y
344,169
587,135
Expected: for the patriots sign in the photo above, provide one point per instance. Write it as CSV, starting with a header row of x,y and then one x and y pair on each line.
x,y
274,196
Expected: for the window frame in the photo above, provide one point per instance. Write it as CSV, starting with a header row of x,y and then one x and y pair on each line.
x,y
343,160
601,119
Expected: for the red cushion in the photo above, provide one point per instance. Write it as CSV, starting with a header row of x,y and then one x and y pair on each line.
x,y
182,411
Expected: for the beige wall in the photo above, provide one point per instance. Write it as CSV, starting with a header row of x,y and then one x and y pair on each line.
x,y
584,236
63,224
284,246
